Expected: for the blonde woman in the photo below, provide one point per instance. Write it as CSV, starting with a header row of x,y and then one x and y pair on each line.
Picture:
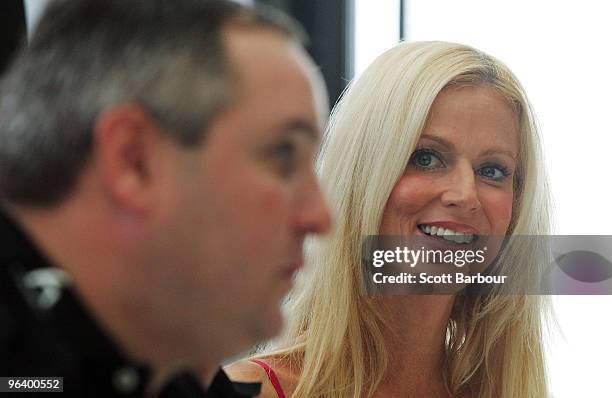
x,y
431,135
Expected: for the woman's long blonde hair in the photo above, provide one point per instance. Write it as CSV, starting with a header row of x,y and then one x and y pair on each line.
x,y
333,338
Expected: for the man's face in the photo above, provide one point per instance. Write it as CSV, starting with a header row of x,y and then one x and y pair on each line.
x,y
240,205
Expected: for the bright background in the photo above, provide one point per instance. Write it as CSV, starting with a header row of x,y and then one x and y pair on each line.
x,y
562,53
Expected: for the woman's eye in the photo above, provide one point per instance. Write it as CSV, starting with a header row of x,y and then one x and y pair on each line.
x,y
426,160
495,173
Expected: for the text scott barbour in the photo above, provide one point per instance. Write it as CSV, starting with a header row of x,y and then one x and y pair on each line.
x,y
448,278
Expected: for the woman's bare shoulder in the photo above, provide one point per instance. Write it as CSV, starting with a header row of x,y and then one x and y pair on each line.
x,y
247,371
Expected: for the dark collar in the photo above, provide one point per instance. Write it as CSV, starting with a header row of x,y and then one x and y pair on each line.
x,y
187,384
46,313
69,328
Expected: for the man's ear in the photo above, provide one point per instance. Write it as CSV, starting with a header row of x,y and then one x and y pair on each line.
x,y
125,140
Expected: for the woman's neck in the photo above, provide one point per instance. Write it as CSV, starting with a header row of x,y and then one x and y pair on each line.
x,y
414,336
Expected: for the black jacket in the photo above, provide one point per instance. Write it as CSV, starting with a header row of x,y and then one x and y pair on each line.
x,y
45,331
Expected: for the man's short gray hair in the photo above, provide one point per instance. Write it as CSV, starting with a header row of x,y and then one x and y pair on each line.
x,y
90,55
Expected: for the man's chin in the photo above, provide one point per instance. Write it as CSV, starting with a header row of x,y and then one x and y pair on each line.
x,y
269,326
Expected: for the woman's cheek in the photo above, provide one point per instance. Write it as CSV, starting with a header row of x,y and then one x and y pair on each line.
x,y
408,198
412,193
498,208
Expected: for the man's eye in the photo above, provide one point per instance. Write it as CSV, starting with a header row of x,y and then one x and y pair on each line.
x,y
425,159
493,172
285,151
285,156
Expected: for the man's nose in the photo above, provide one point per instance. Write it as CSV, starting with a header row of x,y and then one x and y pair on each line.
x,y
461,192
314,215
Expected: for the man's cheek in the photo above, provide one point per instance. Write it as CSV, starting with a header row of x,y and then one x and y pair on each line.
x,y
270,201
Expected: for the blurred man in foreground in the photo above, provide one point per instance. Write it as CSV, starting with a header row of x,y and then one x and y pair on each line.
x,y
156,185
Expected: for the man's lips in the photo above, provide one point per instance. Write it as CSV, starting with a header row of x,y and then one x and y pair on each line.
x,y
293,267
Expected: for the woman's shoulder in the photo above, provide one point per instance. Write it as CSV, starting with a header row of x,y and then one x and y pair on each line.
x,y
274,374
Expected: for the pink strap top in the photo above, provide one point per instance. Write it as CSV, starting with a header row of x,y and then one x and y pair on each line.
x,y
271,376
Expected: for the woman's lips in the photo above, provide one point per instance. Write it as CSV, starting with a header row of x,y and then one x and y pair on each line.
x,y
453,226
438,242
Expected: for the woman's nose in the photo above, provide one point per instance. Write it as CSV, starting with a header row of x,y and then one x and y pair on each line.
x,y
461,191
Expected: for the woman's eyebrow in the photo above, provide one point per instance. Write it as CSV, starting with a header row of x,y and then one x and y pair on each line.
x,y
497,150
440,140
490,151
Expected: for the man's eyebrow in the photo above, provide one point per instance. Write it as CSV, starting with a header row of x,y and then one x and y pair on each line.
x,y
490,151
298,126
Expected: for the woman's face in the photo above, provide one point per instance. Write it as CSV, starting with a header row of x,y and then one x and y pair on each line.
x,y
459,181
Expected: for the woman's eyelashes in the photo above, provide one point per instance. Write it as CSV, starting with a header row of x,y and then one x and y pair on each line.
x,y
428,159
494,172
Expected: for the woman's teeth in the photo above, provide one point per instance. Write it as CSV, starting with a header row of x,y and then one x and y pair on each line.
x,y
447,234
